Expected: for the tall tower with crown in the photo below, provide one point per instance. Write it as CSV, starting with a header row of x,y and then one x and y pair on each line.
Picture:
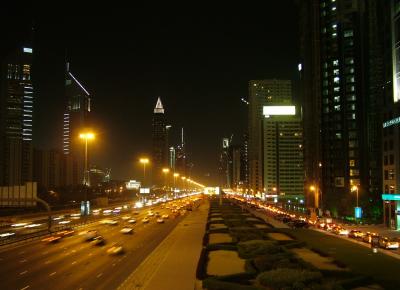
x,y
160,153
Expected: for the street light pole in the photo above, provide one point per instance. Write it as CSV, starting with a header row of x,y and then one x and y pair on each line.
x,y
86,136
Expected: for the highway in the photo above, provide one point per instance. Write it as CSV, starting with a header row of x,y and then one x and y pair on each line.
x,y
72,263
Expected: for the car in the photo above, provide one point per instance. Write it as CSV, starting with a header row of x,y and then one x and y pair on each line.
x,y
132,221
387,243
355,234
127,230
165,216
66,233
98,241
340,231
90,235
160,220
145,220
113,222
126,217
136,212
368,237
300,224
115,249
157,214
150,213
52,239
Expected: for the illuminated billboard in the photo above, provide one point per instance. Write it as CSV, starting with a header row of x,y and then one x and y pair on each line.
x,y
279,110
144,190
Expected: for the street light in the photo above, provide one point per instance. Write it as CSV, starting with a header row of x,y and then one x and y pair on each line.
x,y
355,188
87,136
165,171
175,176
183,182
144,161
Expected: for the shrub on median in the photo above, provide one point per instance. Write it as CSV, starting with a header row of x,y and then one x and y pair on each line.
x,y
288,278
254,248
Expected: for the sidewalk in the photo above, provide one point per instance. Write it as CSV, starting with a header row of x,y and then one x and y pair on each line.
x,y
172,265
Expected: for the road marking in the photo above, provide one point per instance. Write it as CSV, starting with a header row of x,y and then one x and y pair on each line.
x,y
20,253
98,276
22,273
47,262
52,274
26,287
23,261
73,263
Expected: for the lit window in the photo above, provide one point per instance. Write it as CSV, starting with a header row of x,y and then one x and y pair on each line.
x,y
337,107
336,80
338,135
336,71
333,8
348,33
336,62
352,163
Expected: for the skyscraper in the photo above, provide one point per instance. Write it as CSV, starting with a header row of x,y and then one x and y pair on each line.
x,y
342,80
261,93
76,119
160,150
283,151
181,162
16,117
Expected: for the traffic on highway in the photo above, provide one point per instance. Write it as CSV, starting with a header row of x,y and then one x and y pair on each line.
x,y
80,258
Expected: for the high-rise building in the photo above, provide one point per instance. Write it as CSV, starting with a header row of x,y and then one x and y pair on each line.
x,y
181,162
283,151
236,166
244,164
160,152
76,119
172,158
342,78
262,93
16,117
391,115
310,95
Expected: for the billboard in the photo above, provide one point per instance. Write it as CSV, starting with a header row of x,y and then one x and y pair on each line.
x,y
279,110
144,190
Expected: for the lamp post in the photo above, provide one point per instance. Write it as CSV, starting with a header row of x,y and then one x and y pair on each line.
x,y
175,176
144,161
183,182
355,188
86,136
165,171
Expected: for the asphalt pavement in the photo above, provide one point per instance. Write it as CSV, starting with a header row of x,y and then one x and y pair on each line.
x,y
73,263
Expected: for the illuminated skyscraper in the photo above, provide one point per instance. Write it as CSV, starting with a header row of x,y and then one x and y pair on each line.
x,y
283,151
181,162
160,150
343,87
261,93
16,116
76,119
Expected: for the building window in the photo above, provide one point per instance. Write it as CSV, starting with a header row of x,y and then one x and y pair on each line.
x,y
385,160
386,175
352,163
337,108
391,174
391,159
390,144
348,33
351,97
336,99
385,146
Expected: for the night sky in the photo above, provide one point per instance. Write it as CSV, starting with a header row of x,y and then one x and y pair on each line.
x,y
198,59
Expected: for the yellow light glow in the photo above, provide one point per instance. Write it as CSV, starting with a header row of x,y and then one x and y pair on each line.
x,y
354,188
87,136
165,170
176,174
312,188
144,160
183,177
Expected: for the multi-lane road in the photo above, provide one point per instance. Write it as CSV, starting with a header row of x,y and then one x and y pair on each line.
x,y
73,263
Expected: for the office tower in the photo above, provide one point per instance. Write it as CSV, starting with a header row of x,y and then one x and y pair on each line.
x,y
16,116
225,164
342,54
244,164
310,95
160,153
172,158
283,151
236,166
76,119
262,93
181,162
47,168
391,115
